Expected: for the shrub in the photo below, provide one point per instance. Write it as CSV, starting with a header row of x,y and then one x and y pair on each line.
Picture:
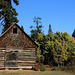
x,y
64,68
40,67
40,59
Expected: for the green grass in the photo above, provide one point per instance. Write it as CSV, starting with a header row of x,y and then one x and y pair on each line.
x,y
26,72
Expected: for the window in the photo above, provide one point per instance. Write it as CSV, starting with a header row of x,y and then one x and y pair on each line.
x,y
11,58
14,30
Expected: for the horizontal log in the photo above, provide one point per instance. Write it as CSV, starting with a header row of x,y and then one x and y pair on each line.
x,y
20,67
2,67
1,51
28,48
1,64
2,60
26,61
26,65
12,61
14,47
2,48
24,55
27,53
1,55
27,57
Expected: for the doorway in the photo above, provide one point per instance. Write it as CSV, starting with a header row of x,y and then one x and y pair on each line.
x,y
11,59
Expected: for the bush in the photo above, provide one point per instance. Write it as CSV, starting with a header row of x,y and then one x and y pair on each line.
x,y
39,67
54,69
68,68
40,59
42,68
64,68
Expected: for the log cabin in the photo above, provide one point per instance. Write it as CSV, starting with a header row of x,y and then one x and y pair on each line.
x,y
17,49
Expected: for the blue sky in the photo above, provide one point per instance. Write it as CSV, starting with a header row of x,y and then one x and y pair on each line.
x,y
59,13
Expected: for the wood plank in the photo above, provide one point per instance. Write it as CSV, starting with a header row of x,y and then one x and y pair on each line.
x,y
2,48
27,57
29,48
26,65
1,55
26,61
26,52
1,58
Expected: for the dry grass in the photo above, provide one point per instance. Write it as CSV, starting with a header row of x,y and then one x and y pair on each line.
x,y
30,72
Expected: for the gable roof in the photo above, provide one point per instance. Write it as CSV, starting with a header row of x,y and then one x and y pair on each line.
x,y
20,29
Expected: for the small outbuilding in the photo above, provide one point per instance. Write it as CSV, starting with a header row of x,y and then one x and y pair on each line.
x,y
17,49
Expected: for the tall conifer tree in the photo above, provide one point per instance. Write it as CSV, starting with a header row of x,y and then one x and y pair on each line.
x,y
50,30
7,13
37,29
73,33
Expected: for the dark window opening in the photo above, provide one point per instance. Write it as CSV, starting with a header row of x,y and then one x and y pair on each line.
x,y
11,64
14,30
11,58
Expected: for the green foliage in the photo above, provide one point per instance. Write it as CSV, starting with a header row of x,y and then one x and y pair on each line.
x,y
50,30
64,68
7,13
56,47
39,67
37,29
73,33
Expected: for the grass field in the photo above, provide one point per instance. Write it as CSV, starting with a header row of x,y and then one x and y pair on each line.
x,y
30,72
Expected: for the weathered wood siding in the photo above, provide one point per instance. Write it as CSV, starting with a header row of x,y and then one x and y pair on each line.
x,y
2,57
27,58
18,42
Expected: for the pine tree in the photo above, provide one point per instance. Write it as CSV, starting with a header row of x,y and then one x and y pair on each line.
x,y
73,33
37,29
50,30
22,28
7,13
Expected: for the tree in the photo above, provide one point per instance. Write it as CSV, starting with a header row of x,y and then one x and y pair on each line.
x,y
50,30
7,13
60,48
37,29
22,28
73,33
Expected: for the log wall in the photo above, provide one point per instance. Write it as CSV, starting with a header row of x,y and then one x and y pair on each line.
x,y
2,57
21,43
26,57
